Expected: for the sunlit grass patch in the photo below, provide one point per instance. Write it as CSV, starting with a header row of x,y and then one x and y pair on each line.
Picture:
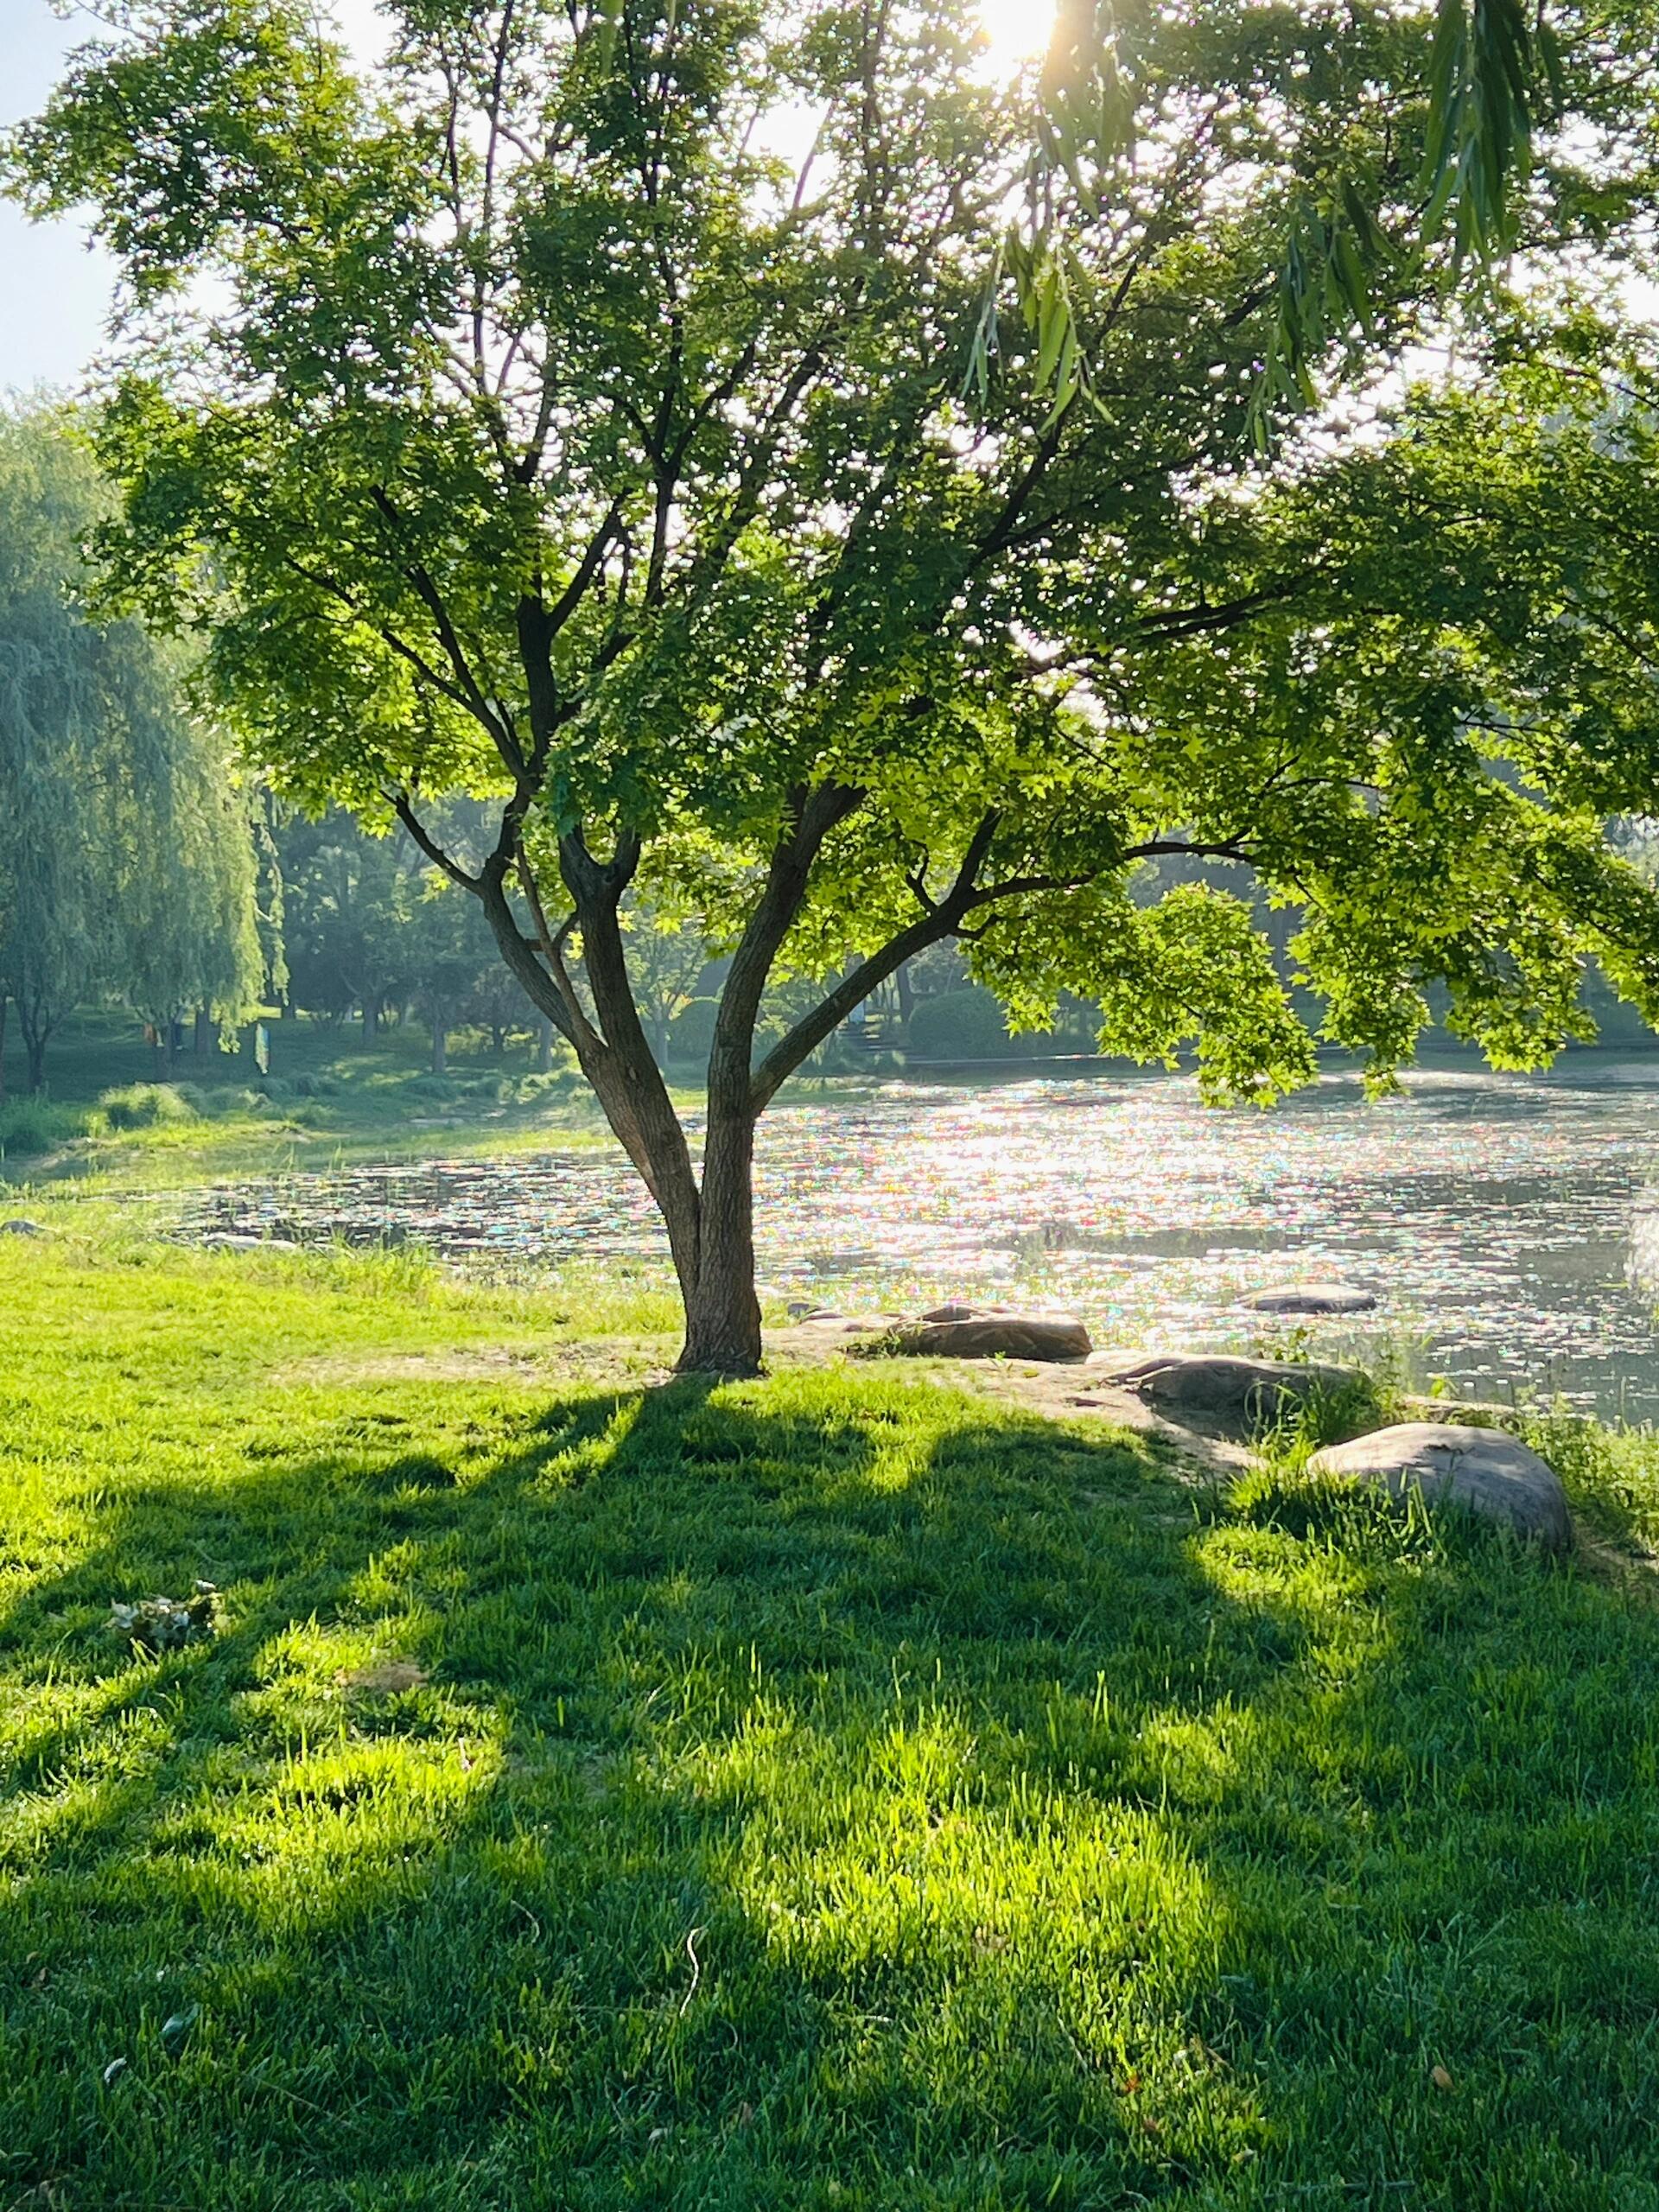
x,y
828,1790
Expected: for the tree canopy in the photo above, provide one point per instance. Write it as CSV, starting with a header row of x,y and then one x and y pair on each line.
x,y
661,421
126,867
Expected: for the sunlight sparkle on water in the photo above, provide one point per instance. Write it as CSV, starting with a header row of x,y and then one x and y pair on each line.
x,y
1507,1226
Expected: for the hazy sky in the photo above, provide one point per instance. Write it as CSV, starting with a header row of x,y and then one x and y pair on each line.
x,y
55,292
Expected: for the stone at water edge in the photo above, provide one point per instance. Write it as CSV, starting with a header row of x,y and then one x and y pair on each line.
x,y
1227,1387
18,1227
993,1335
1484,1471
1312,1297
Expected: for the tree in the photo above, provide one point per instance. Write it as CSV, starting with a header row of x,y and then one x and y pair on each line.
x,y
126,861
366,928
667,958
797,544
443,931
188,927
343,915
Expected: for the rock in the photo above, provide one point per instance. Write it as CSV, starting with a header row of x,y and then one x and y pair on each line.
x,y
954,1312
1312,1297
992,1336
18,1227
1255,1392
1481,1470
235,1241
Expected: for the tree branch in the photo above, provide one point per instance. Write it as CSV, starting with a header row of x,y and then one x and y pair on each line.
x,y
405,812
938,922
432,598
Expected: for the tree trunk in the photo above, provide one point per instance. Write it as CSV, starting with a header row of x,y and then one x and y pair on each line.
x,y
543,1046
498,1037
35,1048
5,1007
204,1037
722,1313
371,1019
711,1229
440,1045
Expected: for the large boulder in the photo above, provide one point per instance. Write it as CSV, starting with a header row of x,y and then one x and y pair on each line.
x,y
1223,1386
1481,1470
993,1335
1312,1297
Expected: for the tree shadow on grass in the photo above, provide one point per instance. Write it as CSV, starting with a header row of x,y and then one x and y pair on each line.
x,y
814,1798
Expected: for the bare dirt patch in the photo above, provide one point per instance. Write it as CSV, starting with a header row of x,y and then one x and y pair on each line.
x,y
543,1365
1073,1391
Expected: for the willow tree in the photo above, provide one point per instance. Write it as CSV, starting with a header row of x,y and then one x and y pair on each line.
x,y
786,520
126,863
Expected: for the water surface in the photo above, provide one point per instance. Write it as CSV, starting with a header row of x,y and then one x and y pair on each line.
x,y
1500,1220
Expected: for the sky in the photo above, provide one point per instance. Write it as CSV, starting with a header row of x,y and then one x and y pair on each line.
x,y
57,291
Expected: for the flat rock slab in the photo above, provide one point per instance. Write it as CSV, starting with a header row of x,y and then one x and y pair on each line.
x,y
1223,1386
1312,1297
993,1336
1481,1470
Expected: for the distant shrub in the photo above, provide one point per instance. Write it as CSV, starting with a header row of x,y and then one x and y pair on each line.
x,y
691,1033
145,1105
27,1127
967,1025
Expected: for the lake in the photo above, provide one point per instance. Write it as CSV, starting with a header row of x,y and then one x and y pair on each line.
x,y
1504,1221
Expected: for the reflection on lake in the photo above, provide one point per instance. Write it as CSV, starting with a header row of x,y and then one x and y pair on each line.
x,y
1500,1220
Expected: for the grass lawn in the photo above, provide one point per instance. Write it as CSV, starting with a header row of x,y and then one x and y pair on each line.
x,y
834,1791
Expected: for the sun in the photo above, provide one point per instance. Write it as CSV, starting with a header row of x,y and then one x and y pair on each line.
x,y
1017,30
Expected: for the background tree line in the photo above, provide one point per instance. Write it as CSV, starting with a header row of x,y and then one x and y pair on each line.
x,y
138,870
